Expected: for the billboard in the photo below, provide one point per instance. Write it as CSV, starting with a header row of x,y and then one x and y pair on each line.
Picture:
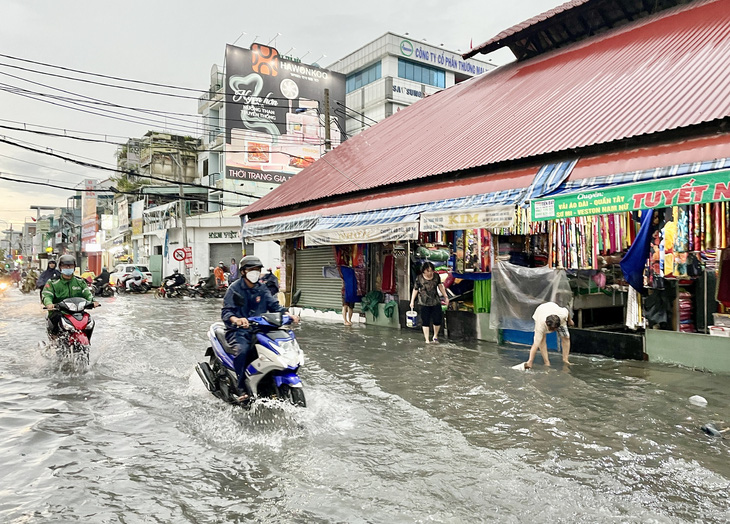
x,y
275,123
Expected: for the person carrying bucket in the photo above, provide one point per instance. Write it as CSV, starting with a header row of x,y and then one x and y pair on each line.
x,y
426,288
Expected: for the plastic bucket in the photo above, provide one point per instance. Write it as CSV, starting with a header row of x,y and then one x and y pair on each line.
x,y
411,319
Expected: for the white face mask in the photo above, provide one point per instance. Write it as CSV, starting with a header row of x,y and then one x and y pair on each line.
x,y
253,276
68,271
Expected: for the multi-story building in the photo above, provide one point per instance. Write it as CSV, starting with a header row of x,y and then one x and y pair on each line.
x,y
393,72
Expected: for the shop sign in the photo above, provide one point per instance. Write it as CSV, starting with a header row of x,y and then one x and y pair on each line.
x,y
486,218
667,192
137,226
188,257
385,233
223,234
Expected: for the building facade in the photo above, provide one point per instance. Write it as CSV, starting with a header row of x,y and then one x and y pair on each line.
x,y
394,71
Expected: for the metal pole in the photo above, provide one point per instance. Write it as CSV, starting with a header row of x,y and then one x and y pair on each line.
x,y
327,139
181,205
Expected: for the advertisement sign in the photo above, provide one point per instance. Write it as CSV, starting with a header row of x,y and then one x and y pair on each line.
x,y
89,223
485,218
44,225
356,235
275,114
188,257
674,191
123,214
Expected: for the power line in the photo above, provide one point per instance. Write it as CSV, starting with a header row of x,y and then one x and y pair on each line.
x,y
122,171
110,190
43,166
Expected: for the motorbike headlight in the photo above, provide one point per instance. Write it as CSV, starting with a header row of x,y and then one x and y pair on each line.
x,y
3,285
68,326
90,325
289,351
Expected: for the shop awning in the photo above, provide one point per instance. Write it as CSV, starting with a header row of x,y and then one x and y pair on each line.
x,y
278,229
388,225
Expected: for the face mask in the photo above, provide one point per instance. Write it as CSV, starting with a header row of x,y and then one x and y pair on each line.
x,y
68,271
253,276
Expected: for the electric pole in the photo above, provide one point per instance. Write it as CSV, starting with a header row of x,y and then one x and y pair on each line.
x,y
181,205
327,139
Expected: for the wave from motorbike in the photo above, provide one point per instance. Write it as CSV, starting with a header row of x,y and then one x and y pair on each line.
x,y
73,339
136,285
273,373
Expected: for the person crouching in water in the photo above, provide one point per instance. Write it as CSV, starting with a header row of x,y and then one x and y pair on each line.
x,y
550,317
246,297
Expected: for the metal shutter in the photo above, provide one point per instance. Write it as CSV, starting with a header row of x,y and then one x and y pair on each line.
x,y
317,292
224,252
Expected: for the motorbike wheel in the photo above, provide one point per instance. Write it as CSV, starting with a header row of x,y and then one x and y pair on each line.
x,y
294,395
144,288
121,289
107,292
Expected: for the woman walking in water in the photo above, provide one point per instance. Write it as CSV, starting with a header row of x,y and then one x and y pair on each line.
x,y
426,288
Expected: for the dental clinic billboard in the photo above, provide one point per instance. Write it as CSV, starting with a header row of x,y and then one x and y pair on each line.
x,y
275,114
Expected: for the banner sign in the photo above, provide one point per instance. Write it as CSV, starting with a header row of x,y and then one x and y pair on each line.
x,y
356,235
275,114
459,219
89,222
667,192
188,256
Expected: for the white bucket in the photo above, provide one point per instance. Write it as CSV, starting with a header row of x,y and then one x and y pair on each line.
x,y
411,319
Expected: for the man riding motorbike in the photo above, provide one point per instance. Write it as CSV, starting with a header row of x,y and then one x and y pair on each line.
x,y
102,279
177,278
66,286
51,273
246,297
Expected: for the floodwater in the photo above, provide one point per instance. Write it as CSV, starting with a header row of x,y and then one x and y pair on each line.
x,y
395,431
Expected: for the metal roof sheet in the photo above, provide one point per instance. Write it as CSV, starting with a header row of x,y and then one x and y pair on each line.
x,y
662,73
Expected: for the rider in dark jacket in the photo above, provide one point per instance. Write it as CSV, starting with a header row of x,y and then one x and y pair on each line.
x,y
50,273
177,277
246,297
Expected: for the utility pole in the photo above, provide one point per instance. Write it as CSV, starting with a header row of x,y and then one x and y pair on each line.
x,y
327,139
181,205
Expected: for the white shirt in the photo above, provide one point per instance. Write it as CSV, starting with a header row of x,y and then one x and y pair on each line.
x,y
545,310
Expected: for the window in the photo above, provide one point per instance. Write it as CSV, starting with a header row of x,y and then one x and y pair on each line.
x,y
363,77
421,73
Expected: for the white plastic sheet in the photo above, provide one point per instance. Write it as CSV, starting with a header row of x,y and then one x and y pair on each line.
x,y
517,291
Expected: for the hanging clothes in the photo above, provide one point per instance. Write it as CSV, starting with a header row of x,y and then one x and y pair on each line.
x,y
633,263
723,279
388,285
482,296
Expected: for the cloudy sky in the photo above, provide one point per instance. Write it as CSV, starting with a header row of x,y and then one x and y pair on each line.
x,y
174,43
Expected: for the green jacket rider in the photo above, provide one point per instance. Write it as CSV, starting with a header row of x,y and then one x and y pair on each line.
x,y
67,286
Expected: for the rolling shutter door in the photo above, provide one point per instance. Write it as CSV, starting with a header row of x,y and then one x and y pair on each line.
x,y
317,292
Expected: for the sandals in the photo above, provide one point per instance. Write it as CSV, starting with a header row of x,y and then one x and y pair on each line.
x,y
435,340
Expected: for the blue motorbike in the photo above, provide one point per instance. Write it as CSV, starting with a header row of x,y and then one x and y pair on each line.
x,y
273,374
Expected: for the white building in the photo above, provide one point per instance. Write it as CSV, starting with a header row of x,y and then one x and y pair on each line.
x,y
395,71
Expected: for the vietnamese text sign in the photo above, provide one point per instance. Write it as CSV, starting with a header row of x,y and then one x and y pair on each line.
x,y
458,219
356,235
667,192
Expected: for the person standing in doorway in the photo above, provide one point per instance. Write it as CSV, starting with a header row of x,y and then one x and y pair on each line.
x,y
550,317
233,272
426,288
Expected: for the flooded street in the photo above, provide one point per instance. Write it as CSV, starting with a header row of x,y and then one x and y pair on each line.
x,y
395,431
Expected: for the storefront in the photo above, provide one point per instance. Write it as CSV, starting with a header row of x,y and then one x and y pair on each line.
x,y
645,263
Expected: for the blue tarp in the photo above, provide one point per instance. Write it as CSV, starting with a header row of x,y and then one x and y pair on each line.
x,y
633,263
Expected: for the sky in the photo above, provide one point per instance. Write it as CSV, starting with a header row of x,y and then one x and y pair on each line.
x,y
175,43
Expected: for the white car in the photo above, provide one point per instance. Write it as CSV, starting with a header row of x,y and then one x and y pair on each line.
x,y
122,271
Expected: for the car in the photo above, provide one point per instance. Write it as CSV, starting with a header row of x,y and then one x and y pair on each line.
x,y
122,271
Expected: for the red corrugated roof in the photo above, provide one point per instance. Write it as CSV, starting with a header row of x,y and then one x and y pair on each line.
x,y
526,24
663,73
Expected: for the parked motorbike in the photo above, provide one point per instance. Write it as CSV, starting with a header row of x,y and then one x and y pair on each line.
x,y
137,286
273,374
76,326
102,290
170,290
